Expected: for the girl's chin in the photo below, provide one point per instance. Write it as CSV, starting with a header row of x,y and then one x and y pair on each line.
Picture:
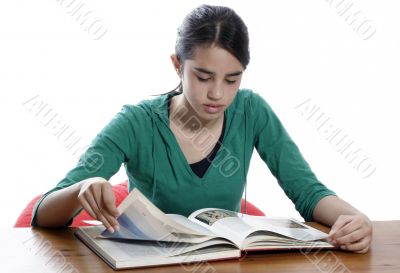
x,y
209,116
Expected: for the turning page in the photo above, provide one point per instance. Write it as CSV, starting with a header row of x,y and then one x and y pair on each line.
x,y
141,220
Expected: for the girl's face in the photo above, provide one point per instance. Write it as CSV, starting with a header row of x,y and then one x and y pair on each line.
x,y
210,82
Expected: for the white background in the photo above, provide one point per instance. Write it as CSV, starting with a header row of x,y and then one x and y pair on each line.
x,y
300,50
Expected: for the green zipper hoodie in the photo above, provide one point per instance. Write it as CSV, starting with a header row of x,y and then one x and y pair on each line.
x,y
140,138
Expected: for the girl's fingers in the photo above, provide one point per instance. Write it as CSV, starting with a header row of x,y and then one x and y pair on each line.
x,y
96,194
361,246
105,200
86,206
339,224
98,211
347,229
109,200
111,219
354,233
97,198
365,250
106,223
351,237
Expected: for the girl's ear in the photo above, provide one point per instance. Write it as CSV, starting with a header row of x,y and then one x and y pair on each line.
x,y
176,64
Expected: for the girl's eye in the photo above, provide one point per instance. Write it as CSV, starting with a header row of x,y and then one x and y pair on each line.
x,y
202,79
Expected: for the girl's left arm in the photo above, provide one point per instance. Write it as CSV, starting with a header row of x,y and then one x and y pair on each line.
x,y
351,230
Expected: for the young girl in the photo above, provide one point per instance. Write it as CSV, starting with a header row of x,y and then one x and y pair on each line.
x,y
190,148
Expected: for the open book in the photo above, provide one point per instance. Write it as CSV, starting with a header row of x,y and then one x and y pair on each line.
x,y
149,237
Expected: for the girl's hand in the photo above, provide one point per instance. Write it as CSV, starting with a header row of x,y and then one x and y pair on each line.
x,y
352,233
97,198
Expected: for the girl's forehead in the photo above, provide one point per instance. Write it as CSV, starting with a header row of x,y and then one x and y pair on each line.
x,y
211,58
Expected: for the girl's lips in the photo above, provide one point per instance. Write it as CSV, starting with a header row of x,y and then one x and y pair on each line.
x,y
214,105
213,108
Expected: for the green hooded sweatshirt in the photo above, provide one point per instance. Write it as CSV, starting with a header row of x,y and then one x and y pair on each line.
x,y
139,137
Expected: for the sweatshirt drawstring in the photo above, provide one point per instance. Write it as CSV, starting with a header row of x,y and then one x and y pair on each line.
x,y
244,163
154,161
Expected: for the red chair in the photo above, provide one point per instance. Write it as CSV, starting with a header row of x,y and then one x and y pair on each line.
x,y
120,191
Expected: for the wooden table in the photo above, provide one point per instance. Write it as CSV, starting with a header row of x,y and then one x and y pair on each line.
x,y
46,250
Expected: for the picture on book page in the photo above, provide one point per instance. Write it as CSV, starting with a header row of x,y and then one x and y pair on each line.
x,y
209,217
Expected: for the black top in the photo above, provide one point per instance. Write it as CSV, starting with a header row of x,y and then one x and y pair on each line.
x,y
200,167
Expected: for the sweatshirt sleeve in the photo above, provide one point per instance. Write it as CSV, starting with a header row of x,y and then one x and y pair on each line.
x,y
285,160
104,156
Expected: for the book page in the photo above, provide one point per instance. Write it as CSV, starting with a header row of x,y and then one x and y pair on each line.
x,y
244,229
225,223
191,225
287,227
142,220
128,249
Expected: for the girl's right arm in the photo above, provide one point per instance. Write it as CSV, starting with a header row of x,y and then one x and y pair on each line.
x,y
95,195
86,185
